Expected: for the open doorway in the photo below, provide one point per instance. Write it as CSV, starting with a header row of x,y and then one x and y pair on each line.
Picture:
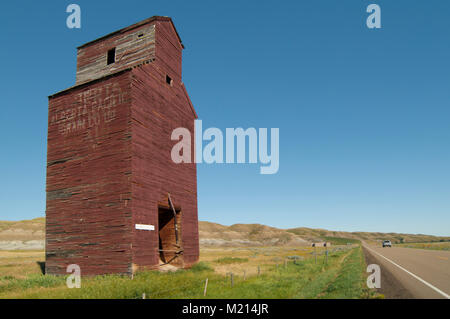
x,y
169,250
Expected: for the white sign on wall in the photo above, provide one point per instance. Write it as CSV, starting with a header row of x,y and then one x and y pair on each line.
x,y
144,227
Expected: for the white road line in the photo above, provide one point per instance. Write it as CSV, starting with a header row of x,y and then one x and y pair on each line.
x,y
415,276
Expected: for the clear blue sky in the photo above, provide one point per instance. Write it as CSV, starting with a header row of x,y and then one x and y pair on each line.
x,y
364,115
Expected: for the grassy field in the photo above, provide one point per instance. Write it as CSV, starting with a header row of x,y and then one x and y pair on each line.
x,y
432,246
20,264
341,241
342,276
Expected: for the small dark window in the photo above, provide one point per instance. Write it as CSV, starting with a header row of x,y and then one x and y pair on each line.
x,y
140,35
168,80
111,56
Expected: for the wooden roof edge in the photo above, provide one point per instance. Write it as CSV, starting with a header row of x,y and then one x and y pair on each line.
x,y
134,26
131,67
78,85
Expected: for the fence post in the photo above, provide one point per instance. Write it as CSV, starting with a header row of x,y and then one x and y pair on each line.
x,y
206,287
244,275
315,254
259,270
285,263
231,275
143,295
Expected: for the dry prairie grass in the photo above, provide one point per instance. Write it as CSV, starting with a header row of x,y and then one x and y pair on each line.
x,y
432,246
264,257
20,264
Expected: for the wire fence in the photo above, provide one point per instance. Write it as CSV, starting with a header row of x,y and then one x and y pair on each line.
x,y
231,279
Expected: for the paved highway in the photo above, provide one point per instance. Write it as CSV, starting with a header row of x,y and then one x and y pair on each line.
x,y
410,272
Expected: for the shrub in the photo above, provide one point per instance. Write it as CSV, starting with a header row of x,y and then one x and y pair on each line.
x,y
201,266
231,260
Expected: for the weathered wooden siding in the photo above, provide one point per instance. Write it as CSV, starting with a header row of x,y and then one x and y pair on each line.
x,y
168,50
109,145
157,110
132,48
88,178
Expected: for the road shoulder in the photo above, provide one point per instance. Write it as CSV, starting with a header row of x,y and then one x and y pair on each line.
x,y
391,287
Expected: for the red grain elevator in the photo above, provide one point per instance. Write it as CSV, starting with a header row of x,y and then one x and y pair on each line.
x,y
116,202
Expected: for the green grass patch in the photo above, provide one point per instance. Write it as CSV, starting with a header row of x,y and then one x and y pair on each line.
x,y
10,283
349,280
231,260
340,240
201,266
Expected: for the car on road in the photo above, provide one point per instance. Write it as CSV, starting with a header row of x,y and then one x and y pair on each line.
x,y
387,243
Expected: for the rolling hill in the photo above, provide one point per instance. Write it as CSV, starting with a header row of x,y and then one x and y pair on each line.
x,y
23,235
261,235
30,235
